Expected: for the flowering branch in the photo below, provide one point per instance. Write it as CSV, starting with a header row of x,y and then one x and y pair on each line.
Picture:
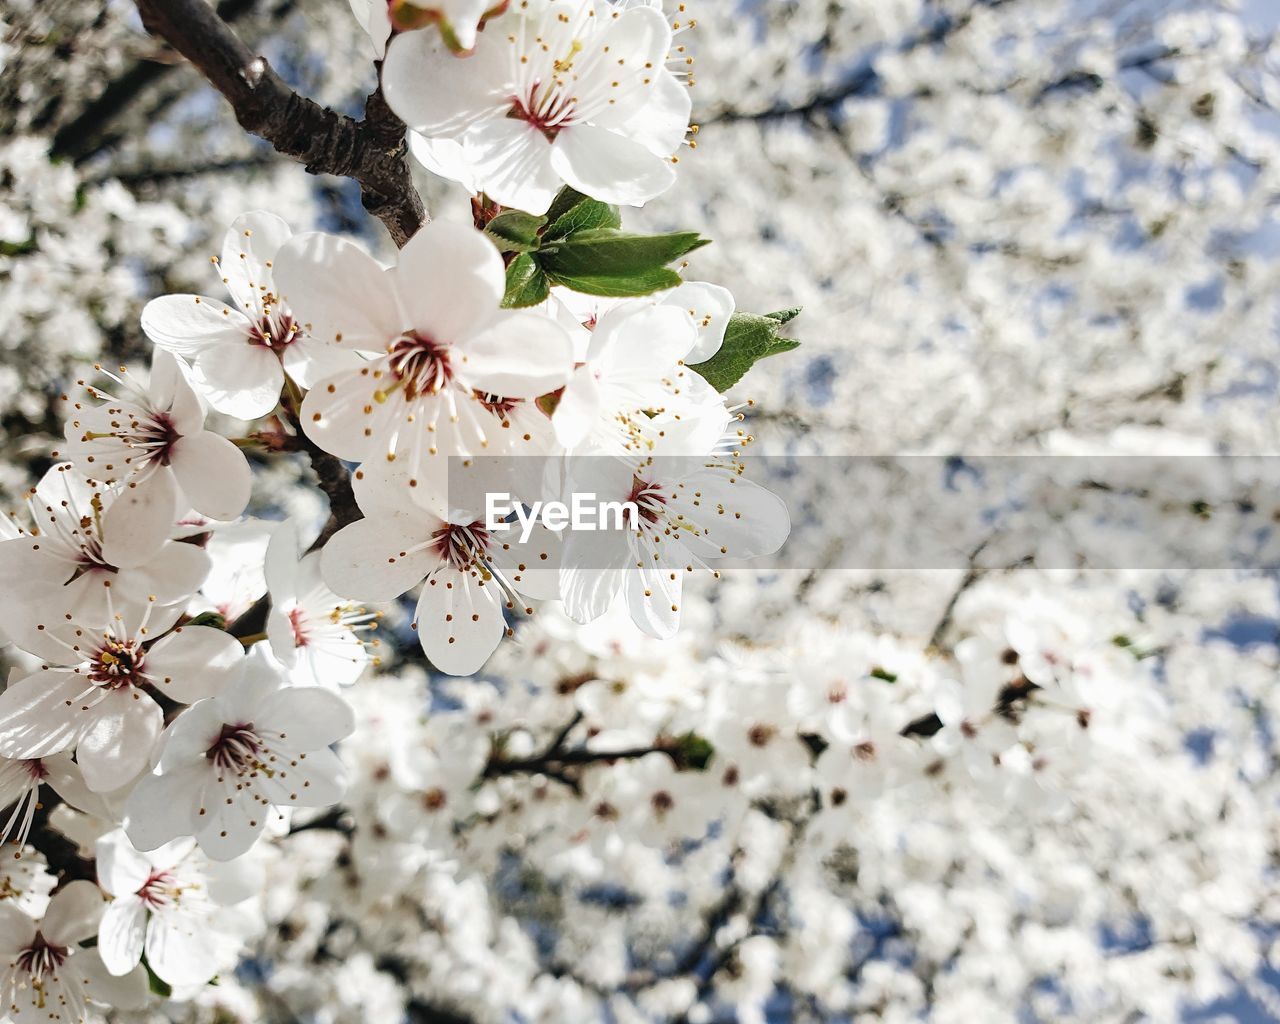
x,y
372,151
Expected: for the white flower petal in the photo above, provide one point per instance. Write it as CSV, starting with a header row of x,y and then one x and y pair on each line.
x,y
312,717
334,660
189,324
511,161
117,745
532,566
213,473
450,280
181,949
446,158
230,827
445,103
654,594
164,807
610,167
125,993
588,590
194,731
280,568
711,308
578,409
754,522
73,914
337,412
656,117
318,781
374,18
641,342
122,870
248,249
521,355
17,930
338,292
374,559
137,523
173,575
309,361
459,621
232,882
194,662
168,390
121,934
244,382
39,715
638,39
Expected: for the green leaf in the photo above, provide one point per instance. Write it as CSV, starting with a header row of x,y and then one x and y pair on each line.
x,y
885,674
515,230
692,752
527,285
608,252
748,339
622,286
18,248
573,212
159,987
566,199
214,619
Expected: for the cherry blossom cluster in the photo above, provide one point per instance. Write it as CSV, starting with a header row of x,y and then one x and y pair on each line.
x,y
619,787
129,577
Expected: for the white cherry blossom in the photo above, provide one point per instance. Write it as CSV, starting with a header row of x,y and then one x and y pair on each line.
x,y
445,359
690,509
471,574
162,904
238,354
448,360
228,761
84,542
867,754
91,695
975,728
235,579
46,976
633,367
154,443
315,634
556,92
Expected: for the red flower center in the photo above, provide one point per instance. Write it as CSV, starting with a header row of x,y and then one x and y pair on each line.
x,y
420,364
41,958
460,545
116,663
238,748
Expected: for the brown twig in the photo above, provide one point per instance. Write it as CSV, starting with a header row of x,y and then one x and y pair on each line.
x,y
372,151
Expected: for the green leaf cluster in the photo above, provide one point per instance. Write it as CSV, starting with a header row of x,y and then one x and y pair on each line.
x,y
579,244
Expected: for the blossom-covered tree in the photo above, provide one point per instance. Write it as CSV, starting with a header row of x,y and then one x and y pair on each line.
x,y
926,671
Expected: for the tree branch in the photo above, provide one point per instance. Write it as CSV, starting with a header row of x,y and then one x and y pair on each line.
x,y
335,481
372,151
